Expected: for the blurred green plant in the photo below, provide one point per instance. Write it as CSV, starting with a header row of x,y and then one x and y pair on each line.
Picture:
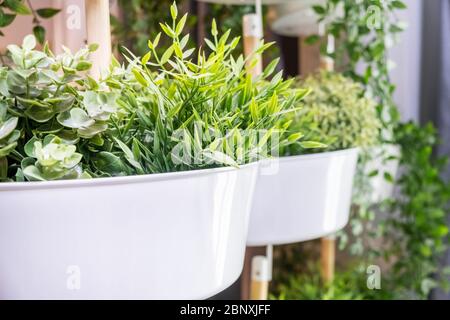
x,y
364,32
336,113
347,285
416,228
140,21
408,232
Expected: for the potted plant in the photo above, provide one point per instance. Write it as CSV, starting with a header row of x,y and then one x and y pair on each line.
x,y
138,185
310,194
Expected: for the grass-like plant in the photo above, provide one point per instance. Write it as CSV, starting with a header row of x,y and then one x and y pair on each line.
x,y
187,108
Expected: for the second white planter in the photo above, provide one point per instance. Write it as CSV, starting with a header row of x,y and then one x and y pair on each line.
x,y
302,197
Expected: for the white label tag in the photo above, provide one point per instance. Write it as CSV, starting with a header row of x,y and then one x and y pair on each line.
x,y
252,26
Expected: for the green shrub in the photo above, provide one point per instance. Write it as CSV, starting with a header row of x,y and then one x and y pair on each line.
x,y
336,113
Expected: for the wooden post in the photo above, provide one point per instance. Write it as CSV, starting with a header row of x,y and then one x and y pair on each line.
x,y
252,31
327,258
259,288
328,244
99,32
309,57
256,274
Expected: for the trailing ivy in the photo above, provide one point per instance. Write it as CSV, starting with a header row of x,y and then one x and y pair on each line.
x,y
408,232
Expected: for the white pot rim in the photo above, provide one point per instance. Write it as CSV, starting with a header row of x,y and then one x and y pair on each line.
x,y
124,180
320,155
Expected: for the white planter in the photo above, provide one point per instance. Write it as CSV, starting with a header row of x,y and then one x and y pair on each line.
x,y
381,188
297,18
161,236
309,197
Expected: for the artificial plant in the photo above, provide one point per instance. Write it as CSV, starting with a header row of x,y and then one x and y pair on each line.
x,y
179,110
47,108
202,102
335,112
408,232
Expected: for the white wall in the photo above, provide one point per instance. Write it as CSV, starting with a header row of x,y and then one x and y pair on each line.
x,y
407,57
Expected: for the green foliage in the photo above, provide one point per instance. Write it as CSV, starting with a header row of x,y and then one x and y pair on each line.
x,y
416,228
141,18
141,21
364,32
50,159
9,9
50,98
348,285
159,113
337,113
409,232
210,111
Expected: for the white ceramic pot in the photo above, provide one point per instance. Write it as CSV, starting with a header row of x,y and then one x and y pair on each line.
x,y
381,188
308,197
161,236
297,19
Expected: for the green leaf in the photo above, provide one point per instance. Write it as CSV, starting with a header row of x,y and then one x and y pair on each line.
x,y
398,4
47,12
312,39
75,118
167,54
139,77
39,33
312,145
32,173
29,147
174,10
109,163
83,65
6,19
214,31
180,25
17,6
319,9
8,127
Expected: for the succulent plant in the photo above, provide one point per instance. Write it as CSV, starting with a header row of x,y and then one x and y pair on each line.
x,y
41,86
8,133
51,159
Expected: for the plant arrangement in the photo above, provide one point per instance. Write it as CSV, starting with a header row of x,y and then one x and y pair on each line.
x,y
407,233
158,113
336,112
208,110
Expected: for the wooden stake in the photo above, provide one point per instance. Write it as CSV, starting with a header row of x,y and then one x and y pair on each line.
x,y
99,32
328,244
260,277
256,274
327,258
252,32
309,57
